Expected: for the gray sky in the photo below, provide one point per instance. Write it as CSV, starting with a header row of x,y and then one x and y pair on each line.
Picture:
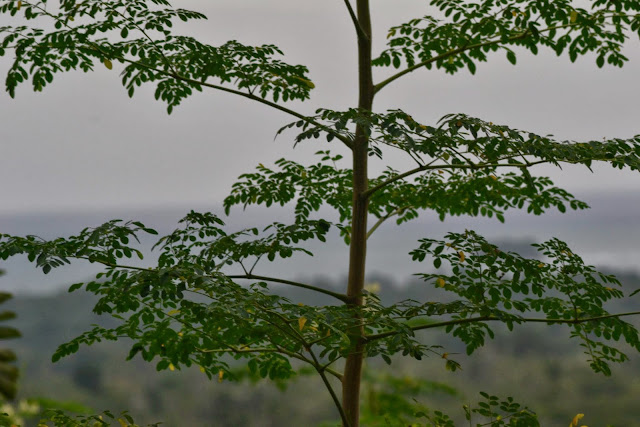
x,y
84,145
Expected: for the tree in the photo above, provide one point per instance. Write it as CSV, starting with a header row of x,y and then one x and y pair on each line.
x,y
189,309
8,371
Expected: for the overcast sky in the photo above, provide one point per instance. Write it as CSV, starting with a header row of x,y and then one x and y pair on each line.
x,y
84,145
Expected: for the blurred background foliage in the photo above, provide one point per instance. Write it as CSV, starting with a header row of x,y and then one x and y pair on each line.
x,y
538,366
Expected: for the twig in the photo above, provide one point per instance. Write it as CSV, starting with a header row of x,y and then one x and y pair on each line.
x,y
458,50
382,220
341,297
382,335
356,23
419,169
325,380
176,76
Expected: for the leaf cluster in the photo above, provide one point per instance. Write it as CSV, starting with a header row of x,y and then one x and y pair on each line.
x,y
468,31
503,286
93,32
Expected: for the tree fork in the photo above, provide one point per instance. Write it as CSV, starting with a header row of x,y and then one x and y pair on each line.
x,y
358,248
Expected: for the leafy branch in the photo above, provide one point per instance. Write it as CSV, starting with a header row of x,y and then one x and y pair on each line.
x,y
454,322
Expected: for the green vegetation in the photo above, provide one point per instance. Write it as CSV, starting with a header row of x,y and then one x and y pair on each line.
x,y
538,366
205,303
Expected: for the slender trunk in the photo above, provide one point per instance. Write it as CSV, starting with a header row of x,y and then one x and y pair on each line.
x,y
358,249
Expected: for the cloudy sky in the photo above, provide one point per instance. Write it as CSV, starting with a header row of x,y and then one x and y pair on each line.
x,y
84,145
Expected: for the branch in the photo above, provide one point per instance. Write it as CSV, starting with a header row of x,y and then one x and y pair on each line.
x,y
458,50
249,276
356,23
419,169
382,335
176,76
346,141
383,219
325,380
337,295
241,350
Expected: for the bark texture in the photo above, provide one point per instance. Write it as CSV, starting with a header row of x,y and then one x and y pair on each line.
x,y
358,249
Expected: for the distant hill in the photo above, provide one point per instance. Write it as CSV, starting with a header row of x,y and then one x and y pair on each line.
x,y
538,365
606,235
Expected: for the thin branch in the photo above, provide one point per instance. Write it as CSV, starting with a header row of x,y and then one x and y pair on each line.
x,y
356,23
337,135
461,49
241,350
337,295
247,276
112,265
419,169
382,335
383,219
325,380
176,76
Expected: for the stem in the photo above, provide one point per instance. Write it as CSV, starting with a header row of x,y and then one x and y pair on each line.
x,y
381,220
461,49
325,380
337,295
248,276
419,169
358,249
354,19
176,76
382,335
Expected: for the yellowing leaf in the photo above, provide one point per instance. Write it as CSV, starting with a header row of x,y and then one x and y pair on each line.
x,y
374,287
440,282
445,355
461,255
173,312
123,423
202,369
573,16
301,322
541,265
514,13
574,422
19,5
493,177
171,367
220,375
308,83
107,64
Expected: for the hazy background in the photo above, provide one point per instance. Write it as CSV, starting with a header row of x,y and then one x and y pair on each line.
x,y
82,153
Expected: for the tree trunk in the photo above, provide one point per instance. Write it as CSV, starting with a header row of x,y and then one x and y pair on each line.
x,y
358,249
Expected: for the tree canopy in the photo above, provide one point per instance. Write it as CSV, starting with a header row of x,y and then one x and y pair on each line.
x,y
188,309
